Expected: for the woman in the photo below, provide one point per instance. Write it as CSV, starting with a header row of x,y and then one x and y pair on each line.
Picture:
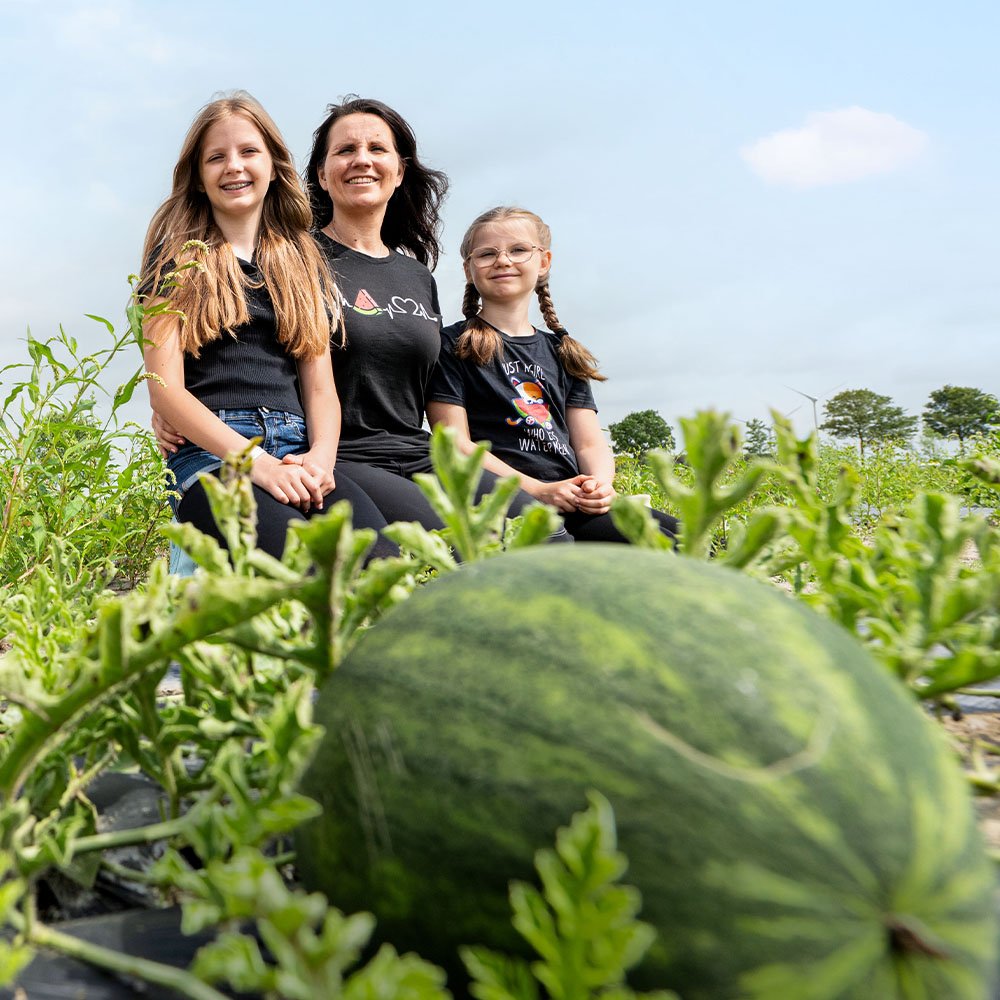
x,y
377,209
252,355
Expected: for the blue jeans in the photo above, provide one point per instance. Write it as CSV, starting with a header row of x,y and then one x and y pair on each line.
x,y
281,434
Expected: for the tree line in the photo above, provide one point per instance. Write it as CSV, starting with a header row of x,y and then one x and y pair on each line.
x,y
861,415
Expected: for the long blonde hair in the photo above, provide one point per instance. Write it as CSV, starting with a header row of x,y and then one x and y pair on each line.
x,y
481,343
212,298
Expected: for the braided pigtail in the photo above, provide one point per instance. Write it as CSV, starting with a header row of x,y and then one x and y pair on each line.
x,y
575,358
479,342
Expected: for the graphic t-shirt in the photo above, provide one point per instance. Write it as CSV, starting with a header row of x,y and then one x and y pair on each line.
x,y
382,372
518,402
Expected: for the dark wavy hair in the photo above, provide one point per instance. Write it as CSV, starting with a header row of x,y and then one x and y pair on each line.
x,y
413,216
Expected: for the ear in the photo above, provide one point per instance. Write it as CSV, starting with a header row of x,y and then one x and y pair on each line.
x,y
321,177
544,262
467,267
402,170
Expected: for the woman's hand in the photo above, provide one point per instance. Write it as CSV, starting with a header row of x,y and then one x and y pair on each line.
x,y
166,436
288,482
594,496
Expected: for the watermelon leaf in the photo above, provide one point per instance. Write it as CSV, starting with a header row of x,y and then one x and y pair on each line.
x,y
583,925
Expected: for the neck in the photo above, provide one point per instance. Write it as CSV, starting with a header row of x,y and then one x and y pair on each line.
x,y
361,233
240,233
511,317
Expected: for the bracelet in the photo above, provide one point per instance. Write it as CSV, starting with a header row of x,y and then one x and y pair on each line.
x,y
255,452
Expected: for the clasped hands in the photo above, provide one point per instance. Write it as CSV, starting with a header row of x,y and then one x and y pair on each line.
x,y
583,493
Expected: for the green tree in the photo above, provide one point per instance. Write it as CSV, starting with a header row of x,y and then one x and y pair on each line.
x,y
759,440
866,416
961,411
639,432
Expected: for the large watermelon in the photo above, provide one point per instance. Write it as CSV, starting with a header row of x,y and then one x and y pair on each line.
x,y
795,824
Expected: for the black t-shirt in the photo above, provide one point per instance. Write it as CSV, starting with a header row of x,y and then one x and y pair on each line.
x,y
247,367
518,402
393,320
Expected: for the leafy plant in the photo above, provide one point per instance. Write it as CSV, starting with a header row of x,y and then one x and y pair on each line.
x,y
474,531
92,484
582,925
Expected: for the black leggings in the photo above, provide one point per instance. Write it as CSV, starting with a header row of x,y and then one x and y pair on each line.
x,y
399,498
601,527
274,517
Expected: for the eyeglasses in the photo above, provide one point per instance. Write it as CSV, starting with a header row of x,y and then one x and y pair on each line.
x,y
519,253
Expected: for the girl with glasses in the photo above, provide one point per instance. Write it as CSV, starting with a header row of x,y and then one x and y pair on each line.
x,y
524,390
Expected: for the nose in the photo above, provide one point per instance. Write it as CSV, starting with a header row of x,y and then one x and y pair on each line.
x,y
234,162
503,253
362,155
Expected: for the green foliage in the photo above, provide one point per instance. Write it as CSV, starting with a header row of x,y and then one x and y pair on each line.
x,y
704,495
961,412
639,432
583,926
759,441
311,944
14,955
474,531
867,417
93,485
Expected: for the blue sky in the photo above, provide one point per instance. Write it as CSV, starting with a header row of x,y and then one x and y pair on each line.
x,y
743,197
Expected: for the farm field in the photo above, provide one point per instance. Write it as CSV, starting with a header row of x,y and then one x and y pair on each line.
x,y
900,550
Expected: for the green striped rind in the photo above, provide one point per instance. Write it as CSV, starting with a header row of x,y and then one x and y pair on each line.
x,y
780,798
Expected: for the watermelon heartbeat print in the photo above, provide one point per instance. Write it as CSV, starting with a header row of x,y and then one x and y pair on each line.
x,y
399,305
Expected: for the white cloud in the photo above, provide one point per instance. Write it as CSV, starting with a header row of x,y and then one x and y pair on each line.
x,y
835,147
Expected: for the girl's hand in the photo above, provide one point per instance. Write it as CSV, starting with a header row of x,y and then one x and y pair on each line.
x,y
564,494
286,482
315,467
166,437
595,497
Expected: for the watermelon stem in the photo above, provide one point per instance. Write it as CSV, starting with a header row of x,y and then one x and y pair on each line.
x,y
906,939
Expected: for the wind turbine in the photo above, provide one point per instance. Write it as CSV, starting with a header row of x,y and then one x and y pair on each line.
x,y
812,399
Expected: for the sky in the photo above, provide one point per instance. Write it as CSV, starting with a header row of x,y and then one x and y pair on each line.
x,y
749,201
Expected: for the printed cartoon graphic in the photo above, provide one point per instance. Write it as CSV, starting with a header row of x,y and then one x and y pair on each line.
x,y
365,304
530,404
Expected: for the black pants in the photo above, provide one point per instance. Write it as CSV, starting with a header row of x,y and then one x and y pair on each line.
x,y
601,527
273,516
400,499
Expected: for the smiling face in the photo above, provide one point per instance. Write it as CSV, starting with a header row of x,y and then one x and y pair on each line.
x,y
503,279
362,169
235,168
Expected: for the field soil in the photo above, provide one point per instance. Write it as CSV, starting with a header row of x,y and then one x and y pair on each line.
x,y
981,730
